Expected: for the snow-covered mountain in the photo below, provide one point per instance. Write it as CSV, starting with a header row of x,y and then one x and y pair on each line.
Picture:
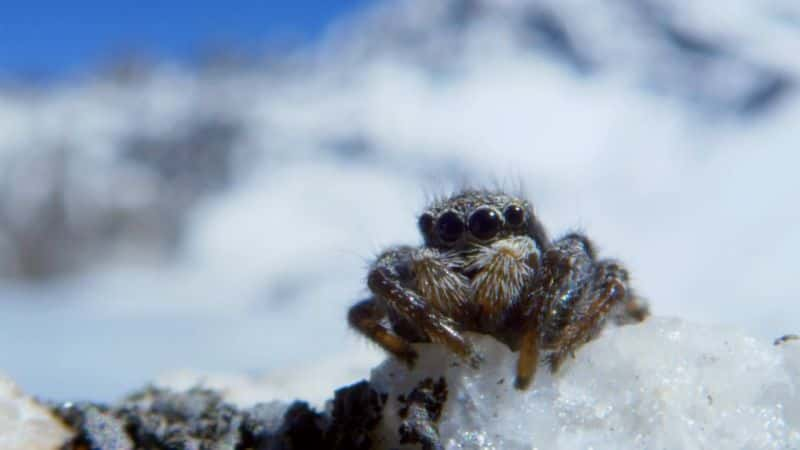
x,y
223,219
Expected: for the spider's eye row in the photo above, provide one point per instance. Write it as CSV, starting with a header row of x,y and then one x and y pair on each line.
x,y
425,224
514,215
484,223
450,227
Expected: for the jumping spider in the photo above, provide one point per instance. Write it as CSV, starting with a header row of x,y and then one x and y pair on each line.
x,y
487,266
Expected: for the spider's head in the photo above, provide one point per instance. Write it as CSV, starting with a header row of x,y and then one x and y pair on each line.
x,y
475,217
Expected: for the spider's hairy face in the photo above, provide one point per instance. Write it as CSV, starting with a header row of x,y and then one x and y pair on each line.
x,y
473,218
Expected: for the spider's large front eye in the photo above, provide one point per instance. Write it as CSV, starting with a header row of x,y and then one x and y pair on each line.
x,y
514,215
484,223
450,227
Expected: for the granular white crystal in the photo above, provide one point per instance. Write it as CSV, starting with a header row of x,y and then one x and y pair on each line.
x,y
663,384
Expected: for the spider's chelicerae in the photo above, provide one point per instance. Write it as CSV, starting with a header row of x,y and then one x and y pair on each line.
x,y
487,266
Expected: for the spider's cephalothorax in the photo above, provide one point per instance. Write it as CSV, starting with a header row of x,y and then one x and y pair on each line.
x,y
487,266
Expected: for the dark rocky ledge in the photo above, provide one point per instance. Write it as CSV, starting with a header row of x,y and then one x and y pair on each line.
x,y
199,419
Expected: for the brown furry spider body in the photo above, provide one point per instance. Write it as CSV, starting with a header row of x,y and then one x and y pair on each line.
x,y
487,266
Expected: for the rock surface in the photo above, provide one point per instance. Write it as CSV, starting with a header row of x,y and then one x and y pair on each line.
x,y
199,419
663,384
25,424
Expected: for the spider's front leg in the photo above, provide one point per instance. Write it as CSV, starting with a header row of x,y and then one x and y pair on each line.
x,y
571,296
530,315
583,293
528,354
420,287
367,317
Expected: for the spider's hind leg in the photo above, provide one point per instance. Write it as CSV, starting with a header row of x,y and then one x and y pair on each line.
x,y
636,309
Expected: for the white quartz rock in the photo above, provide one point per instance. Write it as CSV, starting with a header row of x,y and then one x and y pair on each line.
x,y
25,424
663,384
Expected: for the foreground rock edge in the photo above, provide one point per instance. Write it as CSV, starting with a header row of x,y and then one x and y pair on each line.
x,y
606,397
26,424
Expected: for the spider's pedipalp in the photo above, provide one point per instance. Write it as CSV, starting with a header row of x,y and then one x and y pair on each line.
x,y
500,273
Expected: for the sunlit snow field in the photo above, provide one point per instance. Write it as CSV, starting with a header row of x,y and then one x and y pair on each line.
x,y
658,150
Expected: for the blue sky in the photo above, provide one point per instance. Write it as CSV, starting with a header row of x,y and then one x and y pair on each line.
x,y
61,37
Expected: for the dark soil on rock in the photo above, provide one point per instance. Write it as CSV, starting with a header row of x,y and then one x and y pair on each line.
x,y
199,419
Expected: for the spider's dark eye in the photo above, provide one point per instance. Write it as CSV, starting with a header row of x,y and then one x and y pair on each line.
x,y
450,227
484,223
425,224
514,215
